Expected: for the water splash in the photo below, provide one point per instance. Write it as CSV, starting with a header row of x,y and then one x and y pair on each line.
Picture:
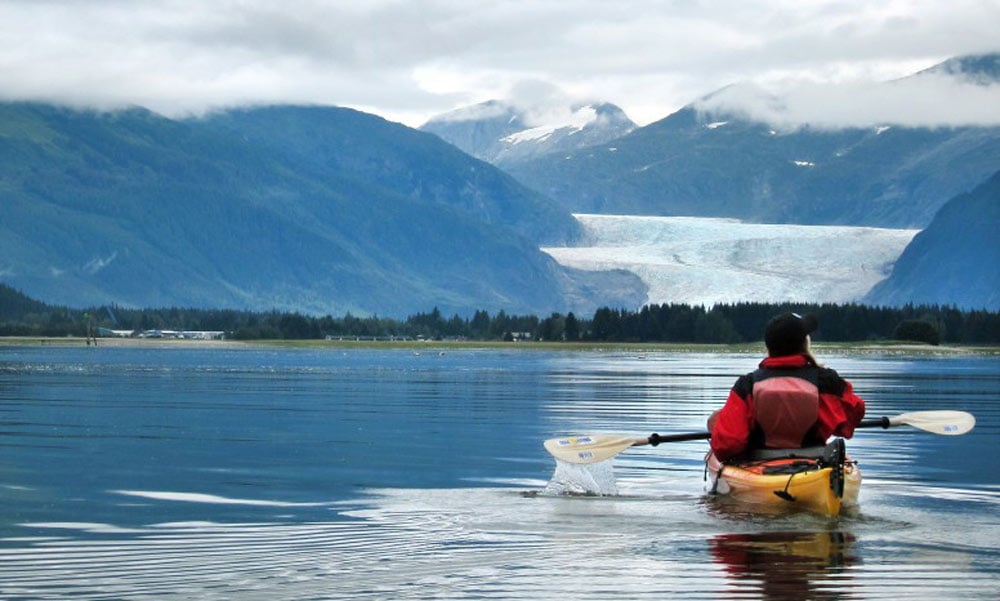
x,y
575,479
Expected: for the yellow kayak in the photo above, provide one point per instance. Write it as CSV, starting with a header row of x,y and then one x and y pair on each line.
x,y
801,481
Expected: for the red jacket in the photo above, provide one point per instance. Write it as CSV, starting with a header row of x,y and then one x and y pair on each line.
x,y
813,404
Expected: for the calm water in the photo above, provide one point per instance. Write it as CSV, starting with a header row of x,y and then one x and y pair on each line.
x,y
133,473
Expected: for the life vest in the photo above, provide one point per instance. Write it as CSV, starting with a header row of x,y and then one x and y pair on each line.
x,y
786,406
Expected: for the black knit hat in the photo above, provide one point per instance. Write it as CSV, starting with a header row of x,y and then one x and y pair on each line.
x,y
786,334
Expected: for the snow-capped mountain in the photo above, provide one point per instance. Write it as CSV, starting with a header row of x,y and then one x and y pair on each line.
x,y
326,210
501,132
709,260
718,158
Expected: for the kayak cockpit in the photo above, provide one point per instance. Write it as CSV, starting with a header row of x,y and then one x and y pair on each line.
x,y
821,480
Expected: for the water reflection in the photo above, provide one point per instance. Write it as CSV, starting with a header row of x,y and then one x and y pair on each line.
x,y
182,474
785,565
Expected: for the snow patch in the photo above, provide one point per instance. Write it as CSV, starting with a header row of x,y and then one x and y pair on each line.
x,y
707,261
804,163
98,263
716,124
574,122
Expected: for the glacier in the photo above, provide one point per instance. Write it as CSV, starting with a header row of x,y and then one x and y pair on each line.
x,y
709,261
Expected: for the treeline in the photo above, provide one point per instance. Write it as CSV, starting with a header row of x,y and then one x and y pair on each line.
x,y
728,323
744,322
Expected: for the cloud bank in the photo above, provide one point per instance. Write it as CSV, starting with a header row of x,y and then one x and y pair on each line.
x,y
926,101
408,61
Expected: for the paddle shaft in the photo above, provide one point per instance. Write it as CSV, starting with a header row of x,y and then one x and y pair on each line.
x,y
655,439
881,422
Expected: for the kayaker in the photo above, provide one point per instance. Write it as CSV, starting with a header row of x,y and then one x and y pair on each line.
x,y
789,402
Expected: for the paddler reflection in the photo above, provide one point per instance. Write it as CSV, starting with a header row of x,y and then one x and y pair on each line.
x,y
786,565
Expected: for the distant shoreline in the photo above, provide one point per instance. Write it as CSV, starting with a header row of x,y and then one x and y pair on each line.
x,y
757,348
70,341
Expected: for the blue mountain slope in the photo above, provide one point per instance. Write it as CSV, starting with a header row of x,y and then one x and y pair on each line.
x,y
724,166
311,209
955,260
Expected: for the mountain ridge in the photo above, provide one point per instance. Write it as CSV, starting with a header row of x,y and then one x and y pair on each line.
x,y
693,163
323,210
330,210
963,233
503,132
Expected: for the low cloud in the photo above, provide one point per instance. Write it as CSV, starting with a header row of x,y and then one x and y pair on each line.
x,y
411,61
930,100
537,102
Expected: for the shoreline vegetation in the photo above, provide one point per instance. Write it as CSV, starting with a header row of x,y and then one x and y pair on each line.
x,y
676,327
881,347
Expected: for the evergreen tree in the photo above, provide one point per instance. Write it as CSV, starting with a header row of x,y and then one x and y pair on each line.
x,y
479,327
714,327
918,330
572,329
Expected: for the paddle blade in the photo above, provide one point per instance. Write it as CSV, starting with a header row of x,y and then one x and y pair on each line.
x,y
591,448
949,423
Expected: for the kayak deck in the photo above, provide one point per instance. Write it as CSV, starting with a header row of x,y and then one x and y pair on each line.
x,y
787,484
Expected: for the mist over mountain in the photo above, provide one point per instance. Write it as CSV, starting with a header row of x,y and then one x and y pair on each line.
x,y
712,159
955,260
979,69
329,210
502,132
322,210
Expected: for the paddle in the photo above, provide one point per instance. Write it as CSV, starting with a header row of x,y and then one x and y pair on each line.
x,y
948,423
593,448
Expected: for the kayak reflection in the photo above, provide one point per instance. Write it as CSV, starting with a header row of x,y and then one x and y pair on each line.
x,y
785,565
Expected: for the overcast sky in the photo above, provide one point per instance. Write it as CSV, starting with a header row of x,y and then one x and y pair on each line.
x,y
408,60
